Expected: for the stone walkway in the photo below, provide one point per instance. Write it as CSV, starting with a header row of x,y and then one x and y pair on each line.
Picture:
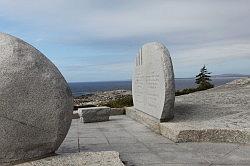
x,y
138,145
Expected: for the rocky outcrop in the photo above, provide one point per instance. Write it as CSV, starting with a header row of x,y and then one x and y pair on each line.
x,y
220,114
35,102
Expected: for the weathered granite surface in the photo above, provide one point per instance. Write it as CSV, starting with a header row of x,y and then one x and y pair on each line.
x,y
221,114
147,120
35,102
107,158
94,114
153,85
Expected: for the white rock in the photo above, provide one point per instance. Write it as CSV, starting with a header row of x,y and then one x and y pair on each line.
x,y
153,84
35,102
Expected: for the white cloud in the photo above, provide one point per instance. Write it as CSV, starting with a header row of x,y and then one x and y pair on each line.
x,y
195,31
215,52
133,19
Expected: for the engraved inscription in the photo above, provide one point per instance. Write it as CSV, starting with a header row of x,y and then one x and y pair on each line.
x,y
149,84
138,82
152,83
152,78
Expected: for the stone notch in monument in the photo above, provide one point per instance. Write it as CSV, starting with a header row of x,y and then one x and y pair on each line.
x,y
153,84
36,103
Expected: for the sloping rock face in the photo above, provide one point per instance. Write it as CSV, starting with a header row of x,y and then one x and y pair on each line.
x,y
220,114
36,103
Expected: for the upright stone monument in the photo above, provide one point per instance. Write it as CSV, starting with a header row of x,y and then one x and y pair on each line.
x,y
153,84
36,103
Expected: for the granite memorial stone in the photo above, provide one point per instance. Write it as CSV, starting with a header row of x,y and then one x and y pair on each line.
x,y
153,84
36,103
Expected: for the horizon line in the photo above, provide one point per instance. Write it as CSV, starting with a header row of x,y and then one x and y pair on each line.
x,y
242,76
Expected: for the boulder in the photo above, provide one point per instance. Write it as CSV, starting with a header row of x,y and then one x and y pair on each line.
x,y
36,103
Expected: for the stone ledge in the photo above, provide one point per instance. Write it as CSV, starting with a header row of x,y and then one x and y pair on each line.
x,y
182,132
220,114
107,158
143,118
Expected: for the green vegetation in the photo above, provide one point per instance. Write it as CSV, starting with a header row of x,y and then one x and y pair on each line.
x,y
202,80
185,91
126,101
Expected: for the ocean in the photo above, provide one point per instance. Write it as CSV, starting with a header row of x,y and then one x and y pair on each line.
x,y
81,88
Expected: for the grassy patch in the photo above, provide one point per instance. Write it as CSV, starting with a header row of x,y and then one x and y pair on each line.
x,y
185,91
126,101
190,90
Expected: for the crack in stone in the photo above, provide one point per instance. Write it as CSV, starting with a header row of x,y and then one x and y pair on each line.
x,y
23,123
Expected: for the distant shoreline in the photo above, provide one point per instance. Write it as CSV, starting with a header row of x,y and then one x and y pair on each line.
x,y
85,88
213,76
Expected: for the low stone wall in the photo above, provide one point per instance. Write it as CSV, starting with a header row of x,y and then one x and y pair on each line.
x,y
180,132
143,118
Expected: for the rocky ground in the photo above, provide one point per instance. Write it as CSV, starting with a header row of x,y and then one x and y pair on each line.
x,y
220,114
100,98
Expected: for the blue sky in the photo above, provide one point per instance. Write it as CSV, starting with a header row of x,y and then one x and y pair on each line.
x,y
97,40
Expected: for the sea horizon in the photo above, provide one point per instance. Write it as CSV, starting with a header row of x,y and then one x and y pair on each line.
x,y
213,76
83,88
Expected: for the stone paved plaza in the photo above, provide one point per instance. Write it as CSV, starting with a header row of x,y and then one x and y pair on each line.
x,y
138,145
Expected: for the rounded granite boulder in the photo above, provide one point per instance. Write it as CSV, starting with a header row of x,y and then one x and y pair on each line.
x,y
36,103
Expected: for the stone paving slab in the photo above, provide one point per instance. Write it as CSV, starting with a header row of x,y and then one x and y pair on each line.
x,y
141,146
107,158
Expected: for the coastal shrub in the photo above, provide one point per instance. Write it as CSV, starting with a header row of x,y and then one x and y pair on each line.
x,y
202,80
126,101
185,91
